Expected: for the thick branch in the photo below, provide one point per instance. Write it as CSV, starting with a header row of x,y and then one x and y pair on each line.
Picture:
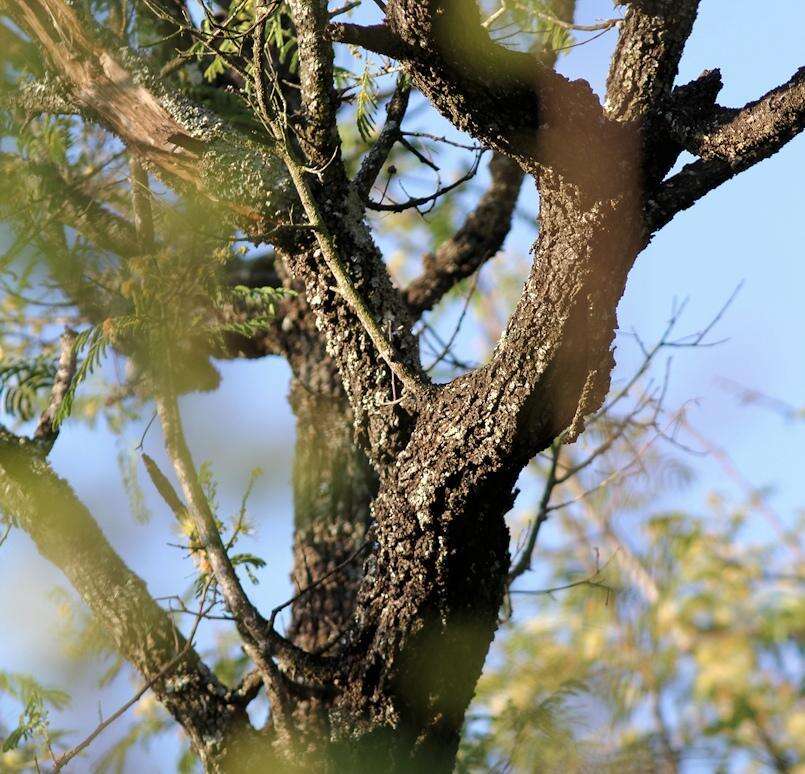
x,y
45,95
508,100
641,78
739,140
186,144
364,323
375,37
646,60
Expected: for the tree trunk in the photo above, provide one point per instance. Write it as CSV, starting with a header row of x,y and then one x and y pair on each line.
x,y
333,485
427,608
428,604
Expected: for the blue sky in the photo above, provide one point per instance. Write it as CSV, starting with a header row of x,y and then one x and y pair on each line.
x,y
751,231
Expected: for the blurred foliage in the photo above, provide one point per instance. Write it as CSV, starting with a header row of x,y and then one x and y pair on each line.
x,y
31,735
709,675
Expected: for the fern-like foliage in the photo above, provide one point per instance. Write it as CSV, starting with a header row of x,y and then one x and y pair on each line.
x,y
366,103
259,303
34,698
95,342
23,382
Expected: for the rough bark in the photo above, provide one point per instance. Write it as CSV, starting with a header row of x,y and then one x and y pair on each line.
x,y
334,486
729,142
428,603
646,59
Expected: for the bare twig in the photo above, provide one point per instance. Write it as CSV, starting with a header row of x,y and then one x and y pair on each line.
x,y
750,396
250,621
6,532
523,563
478,239
615,475
603,25
346,8
631,563
449,343
302,592
420,201
591,581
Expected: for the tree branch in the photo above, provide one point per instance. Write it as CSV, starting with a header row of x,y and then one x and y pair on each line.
x,y
47,430
65,533
141,210
606,24
390,133
171,21
641,78
523,563
67,756
261,641
646,60
318,98
429,199
738,141
377,38
163,128
362,319
250,623
510,101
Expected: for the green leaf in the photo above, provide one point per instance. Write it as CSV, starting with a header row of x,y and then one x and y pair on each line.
x,y
21,384
366,104
214,69
96,344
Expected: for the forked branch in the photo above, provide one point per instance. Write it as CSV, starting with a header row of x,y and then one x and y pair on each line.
x,y
738,140
275,121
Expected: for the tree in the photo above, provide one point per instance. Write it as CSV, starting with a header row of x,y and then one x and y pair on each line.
x,y
401,483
